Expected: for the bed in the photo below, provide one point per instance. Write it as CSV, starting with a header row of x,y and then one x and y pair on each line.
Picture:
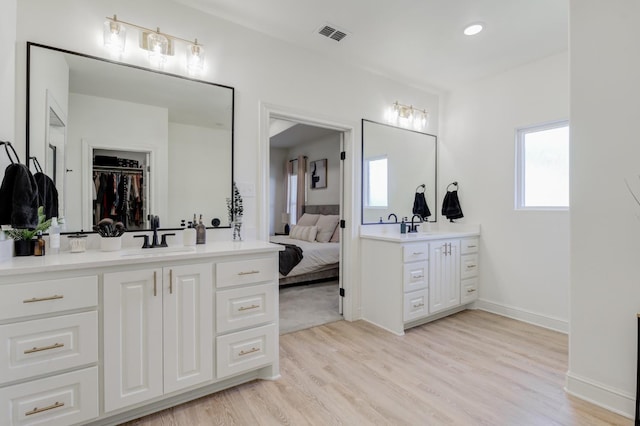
x,y
320,260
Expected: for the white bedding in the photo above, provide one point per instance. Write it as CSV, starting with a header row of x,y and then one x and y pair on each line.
x,y
315,256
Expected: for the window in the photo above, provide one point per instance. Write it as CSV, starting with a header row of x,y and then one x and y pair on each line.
x,y
292,195
542,167
375,184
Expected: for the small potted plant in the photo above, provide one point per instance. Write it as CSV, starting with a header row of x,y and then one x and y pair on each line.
x,y
23,238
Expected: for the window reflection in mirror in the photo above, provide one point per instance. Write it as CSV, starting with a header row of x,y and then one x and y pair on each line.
x,y
395,162
183,126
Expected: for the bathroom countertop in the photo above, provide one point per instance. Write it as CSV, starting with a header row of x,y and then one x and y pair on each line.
x,y
129,256
390,233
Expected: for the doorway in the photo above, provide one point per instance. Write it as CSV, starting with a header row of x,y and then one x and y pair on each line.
x,y
291,137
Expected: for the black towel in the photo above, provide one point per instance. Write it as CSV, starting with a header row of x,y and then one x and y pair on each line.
x,y
47,195
451,206
420,206
18,197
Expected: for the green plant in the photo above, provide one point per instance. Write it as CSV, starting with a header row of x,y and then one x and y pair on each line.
x,y
28,234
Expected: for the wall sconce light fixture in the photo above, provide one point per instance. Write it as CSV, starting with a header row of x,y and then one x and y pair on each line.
x,y
408,116
159,45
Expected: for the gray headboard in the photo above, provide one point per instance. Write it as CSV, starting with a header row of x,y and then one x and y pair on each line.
x,y
322,209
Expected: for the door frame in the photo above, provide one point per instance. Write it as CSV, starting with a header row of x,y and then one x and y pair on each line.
x,y
348,263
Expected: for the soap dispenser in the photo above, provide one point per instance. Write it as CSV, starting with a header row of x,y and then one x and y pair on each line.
x,y
403,226
201,232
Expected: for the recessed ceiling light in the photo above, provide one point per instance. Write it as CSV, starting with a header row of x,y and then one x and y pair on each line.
x,y
473,29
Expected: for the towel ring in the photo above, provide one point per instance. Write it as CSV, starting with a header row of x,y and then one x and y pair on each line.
x,y
8,144
36,164
423,186
454,184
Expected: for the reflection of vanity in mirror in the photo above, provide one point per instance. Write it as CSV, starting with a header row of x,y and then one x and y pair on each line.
x,y
169,137
396,162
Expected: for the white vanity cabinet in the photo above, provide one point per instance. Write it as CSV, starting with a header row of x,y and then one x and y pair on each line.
x,y
408,281
444,275
157,332
49,341
105,337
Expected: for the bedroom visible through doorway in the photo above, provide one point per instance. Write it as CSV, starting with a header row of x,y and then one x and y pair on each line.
x,y
306,193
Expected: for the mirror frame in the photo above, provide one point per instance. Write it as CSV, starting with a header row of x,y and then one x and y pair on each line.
x,y
435,171
84,55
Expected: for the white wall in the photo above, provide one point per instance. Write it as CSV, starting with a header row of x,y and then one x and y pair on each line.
x,y
7,76
193,149
605,221
525,254
114,124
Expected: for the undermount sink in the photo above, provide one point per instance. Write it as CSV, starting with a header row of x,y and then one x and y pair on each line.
x,y
156,251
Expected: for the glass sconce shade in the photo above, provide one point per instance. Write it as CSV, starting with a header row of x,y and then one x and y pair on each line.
x,y
195,58
115,36
158,46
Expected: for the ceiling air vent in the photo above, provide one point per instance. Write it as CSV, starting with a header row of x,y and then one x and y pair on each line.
x,y
331,32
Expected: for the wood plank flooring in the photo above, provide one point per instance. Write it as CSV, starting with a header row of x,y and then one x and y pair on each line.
x,y
472,368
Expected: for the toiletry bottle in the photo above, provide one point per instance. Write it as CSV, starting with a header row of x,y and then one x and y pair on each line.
x,y
38,248
189,235
403,226
201,232
54,236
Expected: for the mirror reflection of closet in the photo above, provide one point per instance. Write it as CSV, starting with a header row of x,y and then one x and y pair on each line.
x,y
119,187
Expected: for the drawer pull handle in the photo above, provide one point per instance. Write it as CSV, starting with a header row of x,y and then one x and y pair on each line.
x,y
418,276
37,410
419,305
471,246
250,351
155,283
170,281
471,290
42,299
44,348
248,273
473,265
418,253
246,308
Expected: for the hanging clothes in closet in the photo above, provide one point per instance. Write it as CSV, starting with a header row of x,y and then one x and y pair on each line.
x,y
118,195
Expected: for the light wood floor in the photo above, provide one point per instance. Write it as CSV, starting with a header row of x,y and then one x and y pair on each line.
x,y
473,368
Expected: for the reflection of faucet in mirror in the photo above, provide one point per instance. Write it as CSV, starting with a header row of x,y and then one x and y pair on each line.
x,y
414,227
395,218
155,224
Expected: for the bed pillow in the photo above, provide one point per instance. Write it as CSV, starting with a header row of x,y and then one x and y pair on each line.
x,y
304,233
335,238
308,219
326,226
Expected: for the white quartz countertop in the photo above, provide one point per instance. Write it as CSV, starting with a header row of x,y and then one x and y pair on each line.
x,y
391,233
130,256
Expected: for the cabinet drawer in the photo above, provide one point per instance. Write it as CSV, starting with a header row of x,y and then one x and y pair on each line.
x,y
48,345
469,290
246,350
469,245
245,272
468,266
415,276
59,400
416,305
245,307
43,297
414,252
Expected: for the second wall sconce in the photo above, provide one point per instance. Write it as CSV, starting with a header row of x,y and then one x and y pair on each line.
x,y
159,45
408,116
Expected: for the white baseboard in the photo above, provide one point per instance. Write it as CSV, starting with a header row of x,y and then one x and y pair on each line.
x,y
603,396
540,320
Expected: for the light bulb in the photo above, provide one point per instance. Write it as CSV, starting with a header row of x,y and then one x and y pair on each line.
x,y
114,35
195,59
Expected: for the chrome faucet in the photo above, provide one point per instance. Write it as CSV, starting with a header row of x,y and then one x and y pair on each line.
x,y
414,227
394,217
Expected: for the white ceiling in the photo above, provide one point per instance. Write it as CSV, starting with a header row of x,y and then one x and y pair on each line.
x,y
419,42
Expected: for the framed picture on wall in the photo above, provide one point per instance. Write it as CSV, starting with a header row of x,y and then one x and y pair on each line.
x,y
318,172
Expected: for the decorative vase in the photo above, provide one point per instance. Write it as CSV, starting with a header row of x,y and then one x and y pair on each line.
x,y
237,225
110,243
23,247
